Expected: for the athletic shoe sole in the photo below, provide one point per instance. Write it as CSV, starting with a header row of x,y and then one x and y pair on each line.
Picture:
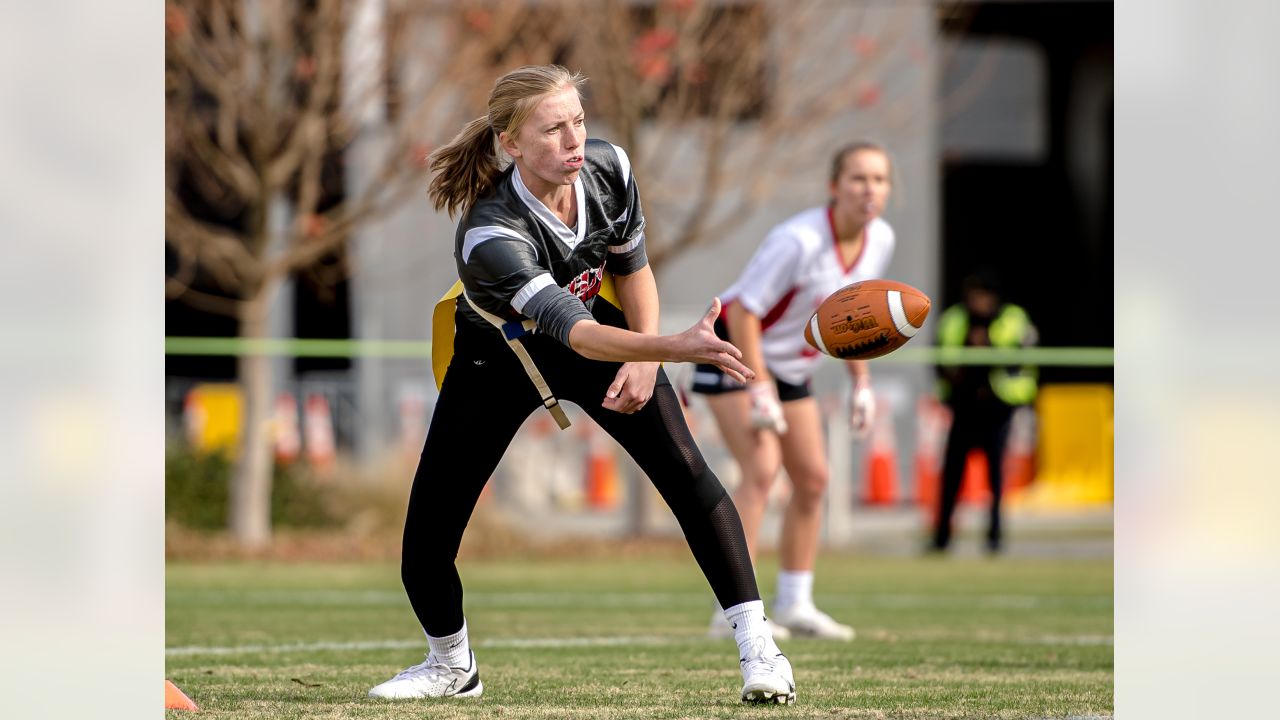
x,y
768,697
472,692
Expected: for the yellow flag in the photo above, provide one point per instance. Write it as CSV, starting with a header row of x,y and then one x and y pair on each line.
x,y
442,324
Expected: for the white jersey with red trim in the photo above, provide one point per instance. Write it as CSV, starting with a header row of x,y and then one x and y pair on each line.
x,y
794,270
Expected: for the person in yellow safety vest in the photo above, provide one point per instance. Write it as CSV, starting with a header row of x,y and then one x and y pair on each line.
x,y
981,397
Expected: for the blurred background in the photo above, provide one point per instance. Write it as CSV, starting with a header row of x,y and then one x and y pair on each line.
x,y
303,261
1195,565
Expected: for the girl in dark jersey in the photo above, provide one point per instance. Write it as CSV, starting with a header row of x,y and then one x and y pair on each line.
x,y
531,249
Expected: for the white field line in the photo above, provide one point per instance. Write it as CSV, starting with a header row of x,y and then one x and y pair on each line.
x,y
419,644
567,642
1076,640
617,599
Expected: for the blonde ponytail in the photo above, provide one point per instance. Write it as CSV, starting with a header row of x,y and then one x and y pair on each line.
x,y
466,168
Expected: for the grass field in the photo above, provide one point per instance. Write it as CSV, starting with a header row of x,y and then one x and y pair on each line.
x,y
623,638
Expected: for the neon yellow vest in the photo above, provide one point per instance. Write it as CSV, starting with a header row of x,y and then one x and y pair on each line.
x,y
1009,330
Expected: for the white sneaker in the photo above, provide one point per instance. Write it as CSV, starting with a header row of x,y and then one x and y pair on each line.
x,y
720,629
805,620
768,680
432,679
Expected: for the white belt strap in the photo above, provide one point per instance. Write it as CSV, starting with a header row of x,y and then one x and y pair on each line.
x,y
548,400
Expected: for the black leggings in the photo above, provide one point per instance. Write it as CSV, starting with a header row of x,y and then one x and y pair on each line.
x,y
986,430
485,398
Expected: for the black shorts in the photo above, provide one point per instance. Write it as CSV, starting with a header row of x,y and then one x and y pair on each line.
x,y
711,380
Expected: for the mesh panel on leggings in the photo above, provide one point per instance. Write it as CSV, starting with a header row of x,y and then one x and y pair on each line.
x,y
740,585
673,417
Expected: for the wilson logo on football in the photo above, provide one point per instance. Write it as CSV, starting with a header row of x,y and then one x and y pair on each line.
x,y
855,325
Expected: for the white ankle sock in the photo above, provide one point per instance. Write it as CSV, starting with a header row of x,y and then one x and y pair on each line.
x,y
751,629
795,587
452,650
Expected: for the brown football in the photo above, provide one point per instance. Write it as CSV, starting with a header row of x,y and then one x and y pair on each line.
x,y
867,319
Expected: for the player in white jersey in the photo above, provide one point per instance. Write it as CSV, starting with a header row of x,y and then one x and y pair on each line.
x,y
773,421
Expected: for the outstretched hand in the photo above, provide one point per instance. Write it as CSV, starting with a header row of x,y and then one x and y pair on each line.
x,y
700,344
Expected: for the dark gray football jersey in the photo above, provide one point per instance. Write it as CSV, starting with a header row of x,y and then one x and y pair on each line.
x,y
517,259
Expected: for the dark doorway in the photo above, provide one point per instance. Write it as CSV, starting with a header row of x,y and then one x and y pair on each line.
x,y
1026,97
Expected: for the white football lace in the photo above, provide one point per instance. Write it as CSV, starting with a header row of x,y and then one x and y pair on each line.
x,y
427,667
756,648
761,663
757,661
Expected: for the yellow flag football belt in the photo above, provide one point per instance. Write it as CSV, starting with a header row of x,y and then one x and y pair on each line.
x,y
442,332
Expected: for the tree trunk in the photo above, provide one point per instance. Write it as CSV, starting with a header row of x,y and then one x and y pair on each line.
x,y
250,506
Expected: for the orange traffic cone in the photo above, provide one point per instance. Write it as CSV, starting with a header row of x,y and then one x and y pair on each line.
x,y
318,424
975,487
175,699
882,462
288,441
932,421
602,472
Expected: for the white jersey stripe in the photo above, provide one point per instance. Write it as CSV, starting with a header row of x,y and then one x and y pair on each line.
x,y
530,289
626,247
477,235
625,162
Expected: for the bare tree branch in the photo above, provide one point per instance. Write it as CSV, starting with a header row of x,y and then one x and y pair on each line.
x,y
176,289
324,65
